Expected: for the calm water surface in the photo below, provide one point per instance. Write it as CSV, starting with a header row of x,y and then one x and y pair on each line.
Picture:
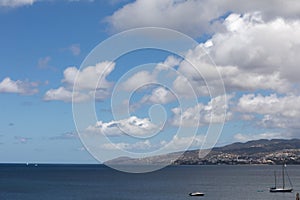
x,y
172,183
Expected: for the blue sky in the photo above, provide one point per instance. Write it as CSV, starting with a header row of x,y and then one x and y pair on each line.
x,y
254,47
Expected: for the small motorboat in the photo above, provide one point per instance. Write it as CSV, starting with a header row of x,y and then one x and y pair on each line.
x,y
196,194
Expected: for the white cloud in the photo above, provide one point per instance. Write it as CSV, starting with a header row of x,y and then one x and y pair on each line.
x,y
277,112
250,55
185,142
258,47
282,122
16,3
199,73
19,3
66,95
159,95
20,87
185,16
284,8
85,82
248,137
255,51
132,126
234,79
142,145
87,79
170,62
143,79
288,106
194,17
200,115
185,87
138,80
241,80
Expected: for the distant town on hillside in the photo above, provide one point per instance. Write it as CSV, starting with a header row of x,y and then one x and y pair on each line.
x,y
275,151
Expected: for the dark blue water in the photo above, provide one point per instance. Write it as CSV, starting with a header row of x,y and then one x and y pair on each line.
x,y
172,183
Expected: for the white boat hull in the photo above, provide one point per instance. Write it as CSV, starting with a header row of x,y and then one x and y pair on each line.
x,y
281,190
196,194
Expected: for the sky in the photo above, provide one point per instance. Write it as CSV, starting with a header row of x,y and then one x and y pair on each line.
x,y
232,75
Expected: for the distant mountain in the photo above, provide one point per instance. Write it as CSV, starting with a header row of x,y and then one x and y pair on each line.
x,y
260,146
253,152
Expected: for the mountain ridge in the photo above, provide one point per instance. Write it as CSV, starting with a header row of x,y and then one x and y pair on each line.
x,y
262,151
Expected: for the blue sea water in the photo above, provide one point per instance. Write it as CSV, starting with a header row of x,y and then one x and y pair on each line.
x,y
89,182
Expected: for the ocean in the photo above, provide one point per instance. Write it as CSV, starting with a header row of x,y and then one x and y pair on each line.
x,y
89,182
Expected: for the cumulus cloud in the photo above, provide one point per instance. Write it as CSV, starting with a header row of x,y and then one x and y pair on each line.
x,y
143,79
19,3
132,126
162,13
193,17
239,80
277,112
288,124
284,8
198,72
259,47
138,80
137,146
255,50
213,112
159,95
8,85
66,95
247,137
15,3
256,47
88,83
184,142
288,106
246,55
170,62
87,79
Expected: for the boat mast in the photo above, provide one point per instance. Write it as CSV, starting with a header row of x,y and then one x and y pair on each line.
x,y
275,179
283,181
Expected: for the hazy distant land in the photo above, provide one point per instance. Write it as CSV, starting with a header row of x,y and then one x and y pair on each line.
x,y
253,152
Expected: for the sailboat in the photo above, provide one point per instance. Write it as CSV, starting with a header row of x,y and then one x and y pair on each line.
x,y
283,188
